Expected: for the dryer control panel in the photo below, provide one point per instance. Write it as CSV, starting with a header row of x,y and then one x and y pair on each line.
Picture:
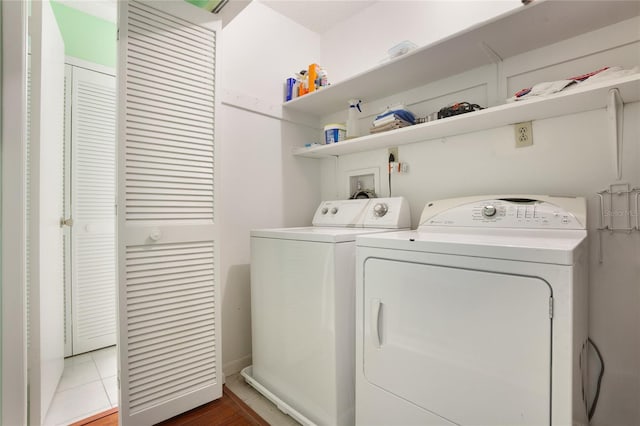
x,y
525,212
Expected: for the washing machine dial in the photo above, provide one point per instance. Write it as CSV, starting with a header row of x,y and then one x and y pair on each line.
x,y
334,210
380,209
489,210
324,210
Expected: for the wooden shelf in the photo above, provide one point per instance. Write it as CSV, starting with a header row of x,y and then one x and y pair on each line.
x,y
520,30
583,98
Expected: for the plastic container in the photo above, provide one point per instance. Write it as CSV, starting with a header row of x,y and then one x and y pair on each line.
x,y
352,120
323,77
334,133
290,84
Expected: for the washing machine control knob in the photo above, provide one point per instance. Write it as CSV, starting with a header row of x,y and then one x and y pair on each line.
x,y
334,210
489,210
324,210
380,209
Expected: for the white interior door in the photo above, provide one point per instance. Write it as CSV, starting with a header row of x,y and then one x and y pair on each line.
x,y
169,316
93,196
46,293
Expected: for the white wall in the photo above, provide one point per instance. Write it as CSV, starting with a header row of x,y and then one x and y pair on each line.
x,y
361,42
571,155
262,184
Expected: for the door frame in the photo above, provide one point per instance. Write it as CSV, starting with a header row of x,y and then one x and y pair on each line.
x,y
14,110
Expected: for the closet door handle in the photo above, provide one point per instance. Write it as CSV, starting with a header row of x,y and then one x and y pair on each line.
x,y
155,235
66,222
376,316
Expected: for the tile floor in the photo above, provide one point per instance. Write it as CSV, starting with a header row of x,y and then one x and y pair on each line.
x,y
261,405
88,386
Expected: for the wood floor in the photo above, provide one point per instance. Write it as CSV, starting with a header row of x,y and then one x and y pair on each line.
x,y
226,411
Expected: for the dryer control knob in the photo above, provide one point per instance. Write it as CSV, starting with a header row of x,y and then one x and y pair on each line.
x,y
489,211
380,209
334,210
324,210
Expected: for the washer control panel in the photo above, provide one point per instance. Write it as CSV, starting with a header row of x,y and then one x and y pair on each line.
x,y
380,209
369,213
507,212
387,213
340,212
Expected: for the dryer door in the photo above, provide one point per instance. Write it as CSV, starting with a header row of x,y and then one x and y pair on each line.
x,y
471,346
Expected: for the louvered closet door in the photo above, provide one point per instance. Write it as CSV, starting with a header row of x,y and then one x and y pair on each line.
x,y
93,187
168,249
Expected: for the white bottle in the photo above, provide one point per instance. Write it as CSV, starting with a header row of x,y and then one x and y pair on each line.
x,y
352,120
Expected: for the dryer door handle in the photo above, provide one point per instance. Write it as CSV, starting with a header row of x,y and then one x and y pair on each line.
x,y
376,316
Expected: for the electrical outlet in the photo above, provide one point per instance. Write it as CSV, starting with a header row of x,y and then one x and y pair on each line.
x,y
524,134
394,151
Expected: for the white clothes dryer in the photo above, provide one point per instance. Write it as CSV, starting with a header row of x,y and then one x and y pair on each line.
x,y
303,304
479,317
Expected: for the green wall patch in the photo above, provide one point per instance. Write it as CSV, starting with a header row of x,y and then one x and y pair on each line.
x,y
86,37
205,4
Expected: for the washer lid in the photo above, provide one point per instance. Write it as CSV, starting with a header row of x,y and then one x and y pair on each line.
x,y
316,233
526,245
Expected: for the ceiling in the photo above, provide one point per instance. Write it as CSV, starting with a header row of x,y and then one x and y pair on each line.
x,y
318,15
315,15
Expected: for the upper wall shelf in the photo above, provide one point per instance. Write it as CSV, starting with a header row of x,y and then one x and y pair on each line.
x,y
538,24
585,98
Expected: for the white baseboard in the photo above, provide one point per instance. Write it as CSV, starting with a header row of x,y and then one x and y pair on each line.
x,y
235,366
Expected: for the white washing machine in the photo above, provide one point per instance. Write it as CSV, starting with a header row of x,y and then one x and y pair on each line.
x,y
479,317
302,308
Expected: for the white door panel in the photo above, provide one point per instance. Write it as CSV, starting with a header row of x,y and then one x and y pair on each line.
x,y
93,197
46,290
471,346
167,247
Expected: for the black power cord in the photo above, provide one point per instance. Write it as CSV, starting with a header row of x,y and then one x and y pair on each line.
x,y
592,410
392,159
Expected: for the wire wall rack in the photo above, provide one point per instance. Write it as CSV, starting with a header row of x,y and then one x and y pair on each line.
x,y
619,211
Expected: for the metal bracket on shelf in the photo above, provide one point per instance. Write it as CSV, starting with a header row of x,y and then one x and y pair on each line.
x,y
615,112
619,204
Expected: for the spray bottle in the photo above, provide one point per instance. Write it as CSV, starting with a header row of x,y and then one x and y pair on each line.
x,y
352,120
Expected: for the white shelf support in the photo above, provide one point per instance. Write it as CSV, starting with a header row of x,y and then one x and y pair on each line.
x,y
615,113
499,90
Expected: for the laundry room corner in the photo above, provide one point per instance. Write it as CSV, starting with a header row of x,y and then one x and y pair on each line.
x,y
572,154
263,185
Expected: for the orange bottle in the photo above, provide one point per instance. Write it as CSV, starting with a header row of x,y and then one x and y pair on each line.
x,y
312,77
303,87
